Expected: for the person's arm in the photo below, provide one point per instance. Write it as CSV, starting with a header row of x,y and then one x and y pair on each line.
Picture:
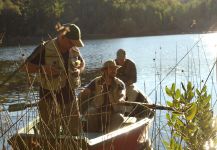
x,y
80,63
43,69
35,63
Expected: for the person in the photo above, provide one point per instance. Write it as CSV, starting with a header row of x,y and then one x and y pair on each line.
x,y
128,74
58,64
102,96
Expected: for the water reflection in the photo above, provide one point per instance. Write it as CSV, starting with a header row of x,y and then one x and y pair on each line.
x,y
159,59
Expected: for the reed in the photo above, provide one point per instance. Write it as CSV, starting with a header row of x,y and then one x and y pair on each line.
x,y
160,130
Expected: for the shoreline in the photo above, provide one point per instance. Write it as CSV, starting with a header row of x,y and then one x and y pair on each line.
x,y
34,40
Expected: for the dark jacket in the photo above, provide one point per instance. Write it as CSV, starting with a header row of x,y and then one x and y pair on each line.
x,y
127,73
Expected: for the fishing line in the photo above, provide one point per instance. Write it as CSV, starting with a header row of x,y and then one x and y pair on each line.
x,y
13,124
17,120
160,93
198,51
189,66
176,62
174,67
2,84
12,75
193,70
155,120
209,70
208,78
209,74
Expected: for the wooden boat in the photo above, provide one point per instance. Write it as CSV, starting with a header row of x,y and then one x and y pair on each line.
x,y
132,135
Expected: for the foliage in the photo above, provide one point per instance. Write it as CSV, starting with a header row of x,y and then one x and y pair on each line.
x,y
191,124
110,17
9,6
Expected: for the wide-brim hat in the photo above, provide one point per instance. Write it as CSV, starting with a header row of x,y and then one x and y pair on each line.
x,y
74,34
110,64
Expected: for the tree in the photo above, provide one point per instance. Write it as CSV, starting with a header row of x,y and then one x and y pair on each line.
x,y
191,124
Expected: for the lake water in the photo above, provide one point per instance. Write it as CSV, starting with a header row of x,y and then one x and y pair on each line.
x,y
160,61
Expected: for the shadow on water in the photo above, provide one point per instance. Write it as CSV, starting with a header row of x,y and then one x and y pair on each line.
x,y
18,90
18,84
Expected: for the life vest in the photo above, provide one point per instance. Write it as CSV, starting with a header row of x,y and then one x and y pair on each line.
x,y
54,58
114,95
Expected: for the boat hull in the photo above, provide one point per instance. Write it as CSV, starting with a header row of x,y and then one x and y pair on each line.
x,y
136,139
132,135
129,137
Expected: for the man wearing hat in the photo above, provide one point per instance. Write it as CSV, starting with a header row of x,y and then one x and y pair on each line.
x,y
102,95
127,73
58,64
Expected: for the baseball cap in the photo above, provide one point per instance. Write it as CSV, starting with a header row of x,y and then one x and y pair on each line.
x,y
74,34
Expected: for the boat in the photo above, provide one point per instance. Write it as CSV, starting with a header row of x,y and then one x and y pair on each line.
x,y
131,135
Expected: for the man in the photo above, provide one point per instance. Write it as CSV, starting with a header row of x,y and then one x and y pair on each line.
x,y
103,94
127,73
58,64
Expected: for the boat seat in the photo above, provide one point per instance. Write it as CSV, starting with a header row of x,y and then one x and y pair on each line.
x,y
92,135
129,120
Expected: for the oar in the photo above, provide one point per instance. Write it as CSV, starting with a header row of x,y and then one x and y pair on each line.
x,y
151,106
20,106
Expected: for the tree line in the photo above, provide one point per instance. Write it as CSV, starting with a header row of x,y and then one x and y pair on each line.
x,y
31,18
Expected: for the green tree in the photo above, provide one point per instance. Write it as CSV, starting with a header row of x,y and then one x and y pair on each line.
x,y
110,17
9,14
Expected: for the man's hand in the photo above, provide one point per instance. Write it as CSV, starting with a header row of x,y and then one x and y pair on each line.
x,y
76,72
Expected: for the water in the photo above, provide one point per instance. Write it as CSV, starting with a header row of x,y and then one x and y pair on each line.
x,y
160,61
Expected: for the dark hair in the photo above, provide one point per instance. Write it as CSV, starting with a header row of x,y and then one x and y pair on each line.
x,y
121,53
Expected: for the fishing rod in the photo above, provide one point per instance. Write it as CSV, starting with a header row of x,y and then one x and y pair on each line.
x,y
209,70
22,106
209,74
148,105
15,123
